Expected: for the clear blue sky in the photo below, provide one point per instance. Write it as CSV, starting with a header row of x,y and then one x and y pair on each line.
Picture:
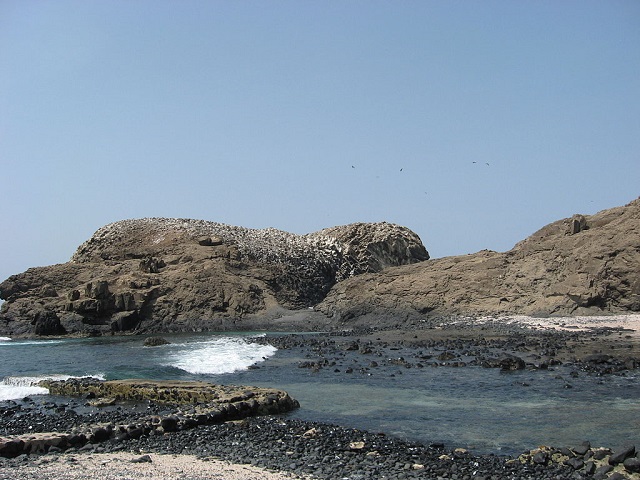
x,y
301,115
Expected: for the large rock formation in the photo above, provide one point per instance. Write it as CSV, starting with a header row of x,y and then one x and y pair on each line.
x,y
162,274
579,265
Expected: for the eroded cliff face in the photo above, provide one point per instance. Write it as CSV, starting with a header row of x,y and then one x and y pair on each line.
x,y
160,274
580,265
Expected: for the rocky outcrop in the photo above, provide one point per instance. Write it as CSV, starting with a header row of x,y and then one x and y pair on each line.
x,y
579,265
163,275
218,402
193,404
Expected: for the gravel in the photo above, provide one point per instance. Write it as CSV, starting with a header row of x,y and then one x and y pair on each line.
x,y
121,466
282,444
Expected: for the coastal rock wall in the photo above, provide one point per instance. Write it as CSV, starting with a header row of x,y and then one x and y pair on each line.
x,y
161,274
579,265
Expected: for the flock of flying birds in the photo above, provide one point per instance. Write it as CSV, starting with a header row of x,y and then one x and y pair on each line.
x,y
486,163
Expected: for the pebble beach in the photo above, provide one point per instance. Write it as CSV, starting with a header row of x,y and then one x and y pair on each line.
x,y
274,447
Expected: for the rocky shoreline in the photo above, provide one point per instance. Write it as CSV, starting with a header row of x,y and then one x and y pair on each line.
x,y
325,451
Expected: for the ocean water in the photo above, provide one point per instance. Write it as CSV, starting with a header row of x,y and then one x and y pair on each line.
x,y
484,410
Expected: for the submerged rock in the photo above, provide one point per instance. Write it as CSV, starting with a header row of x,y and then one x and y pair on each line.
x,y
155,341
233,401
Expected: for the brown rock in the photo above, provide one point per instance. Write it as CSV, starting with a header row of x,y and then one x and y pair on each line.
x,y
118,280
591,268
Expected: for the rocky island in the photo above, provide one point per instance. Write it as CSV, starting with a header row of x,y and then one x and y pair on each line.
x,y
168,275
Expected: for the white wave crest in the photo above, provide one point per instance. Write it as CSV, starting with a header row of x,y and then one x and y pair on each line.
x,y
222,355
13,388
7,342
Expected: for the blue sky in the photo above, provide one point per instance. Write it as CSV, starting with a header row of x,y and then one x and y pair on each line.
x,y
302,115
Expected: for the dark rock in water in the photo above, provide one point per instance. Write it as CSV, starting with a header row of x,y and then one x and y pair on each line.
x,y
155,341
505,362
446,356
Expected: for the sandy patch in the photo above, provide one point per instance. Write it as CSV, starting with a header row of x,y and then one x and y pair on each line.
x,y
119,466
628,322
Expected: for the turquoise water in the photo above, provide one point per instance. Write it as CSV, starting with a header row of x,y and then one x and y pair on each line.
x,y
484,410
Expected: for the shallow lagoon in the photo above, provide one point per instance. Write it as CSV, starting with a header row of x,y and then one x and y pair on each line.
x,y
485,410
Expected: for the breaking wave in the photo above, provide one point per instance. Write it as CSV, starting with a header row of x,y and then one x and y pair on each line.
x,y
221,355
13,388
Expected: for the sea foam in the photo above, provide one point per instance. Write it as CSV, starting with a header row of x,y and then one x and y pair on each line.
x,y
8,342
13,388
222,355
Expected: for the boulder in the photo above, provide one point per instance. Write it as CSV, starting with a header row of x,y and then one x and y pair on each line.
x,y
581,449
100,434
506,362
263,400
632,465
11,447
169,424
155,341
210,241
620,455
576,463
